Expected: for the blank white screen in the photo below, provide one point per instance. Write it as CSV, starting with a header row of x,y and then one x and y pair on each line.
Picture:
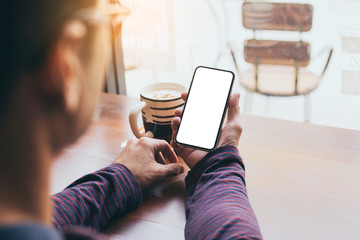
x,y
204,108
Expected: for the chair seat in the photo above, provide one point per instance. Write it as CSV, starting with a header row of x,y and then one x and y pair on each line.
x,y
279,80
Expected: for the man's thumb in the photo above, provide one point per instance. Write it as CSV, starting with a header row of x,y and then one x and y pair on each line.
x,y
172,169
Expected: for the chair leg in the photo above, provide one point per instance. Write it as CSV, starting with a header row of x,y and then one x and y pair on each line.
x,y
248,102
267,105
307,107
217,60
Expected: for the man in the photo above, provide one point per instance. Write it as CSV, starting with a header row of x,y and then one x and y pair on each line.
x,y
53,56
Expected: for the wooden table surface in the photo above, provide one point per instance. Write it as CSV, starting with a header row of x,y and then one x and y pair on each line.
x,y
303,180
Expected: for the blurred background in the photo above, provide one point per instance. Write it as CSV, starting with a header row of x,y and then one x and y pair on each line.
x,y
164,40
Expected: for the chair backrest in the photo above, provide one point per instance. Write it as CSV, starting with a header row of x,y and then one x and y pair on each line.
x,y
277,52
281,17
277,16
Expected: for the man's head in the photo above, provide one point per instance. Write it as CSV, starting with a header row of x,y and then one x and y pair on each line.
x,y
53,62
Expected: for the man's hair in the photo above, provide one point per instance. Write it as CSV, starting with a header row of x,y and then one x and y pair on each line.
x,y
29,28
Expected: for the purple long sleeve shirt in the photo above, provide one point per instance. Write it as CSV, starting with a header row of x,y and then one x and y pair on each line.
x,y
93,200
217,205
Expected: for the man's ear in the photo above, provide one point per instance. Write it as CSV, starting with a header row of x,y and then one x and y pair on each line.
x,y
62,76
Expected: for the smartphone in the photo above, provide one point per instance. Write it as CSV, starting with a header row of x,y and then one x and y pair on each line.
x,y
205,108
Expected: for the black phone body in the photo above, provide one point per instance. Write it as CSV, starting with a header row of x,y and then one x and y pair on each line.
x,y
205,108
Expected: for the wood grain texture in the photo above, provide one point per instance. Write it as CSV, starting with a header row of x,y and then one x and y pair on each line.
x,y
277,52
277,16
303,180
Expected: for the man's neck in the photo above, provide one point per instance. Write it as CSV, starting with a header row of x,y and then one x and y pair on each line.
x,y
25,163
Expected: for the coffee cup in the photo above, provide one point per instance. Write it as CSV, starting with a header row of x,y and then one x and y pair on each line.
x,y
158,103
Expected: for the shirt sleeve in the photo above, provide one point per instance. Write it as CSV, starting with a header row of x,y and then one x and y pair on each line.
x,y
217,205
94,199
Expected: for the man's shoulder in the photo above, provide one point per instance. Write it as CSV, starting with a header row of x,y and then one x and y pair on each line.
x,y
36,231
28,231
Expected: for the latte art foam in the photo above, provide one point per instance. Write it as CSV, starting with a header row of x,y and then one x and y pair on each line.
x,y
163,94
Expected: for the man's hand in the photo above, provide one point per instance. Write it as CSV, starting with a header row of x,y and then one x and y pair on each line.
x,y
150,160
230,134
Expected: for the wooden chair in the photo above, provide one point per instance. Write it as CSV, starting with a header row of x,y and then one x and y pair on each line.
x,y
279,67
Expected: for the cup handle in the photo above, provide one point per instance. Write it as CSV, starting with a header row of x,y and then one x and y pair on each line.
x,y
133,119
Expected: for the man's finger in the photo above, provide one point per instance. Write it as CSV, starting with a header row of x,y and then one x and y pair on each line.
x,y
174,126
184,96
171,170
175,123
163,147
160,158
233,112
178,112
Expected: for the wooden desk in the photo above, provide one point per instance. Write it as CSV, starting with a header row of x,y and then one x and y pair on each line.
x,y
303,180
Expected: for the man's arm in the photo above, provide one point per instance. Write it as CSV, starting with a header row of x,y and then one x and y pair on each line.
x,y
217,205
94,199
